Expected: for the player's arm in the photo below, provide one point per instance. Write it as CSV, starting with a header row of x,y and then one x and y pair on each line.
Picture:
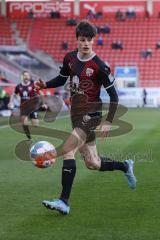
x,y
12,97
58,81
106,126
108,82
113,103
10,104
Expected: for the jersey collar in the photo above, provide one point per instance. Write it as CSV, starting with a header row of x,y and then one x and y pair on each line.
x,y
24,84
87,59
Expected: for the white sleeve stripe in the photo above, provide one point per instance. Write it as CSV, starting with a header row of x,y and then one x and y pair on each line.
x,y
63,75
109,86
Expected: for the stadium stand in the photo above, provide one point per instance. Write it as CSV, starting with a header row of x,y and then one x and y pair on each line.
x,y
24,25
136,35
6,32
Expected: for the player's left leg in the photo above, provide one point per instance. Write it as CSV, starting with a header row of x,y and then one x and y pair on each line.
x,y
73,143
34,119
75,140
95,162
24,121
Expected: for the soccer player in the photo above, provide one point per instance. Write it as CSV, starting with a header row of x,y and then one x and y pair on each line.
x,y
87,73
25,91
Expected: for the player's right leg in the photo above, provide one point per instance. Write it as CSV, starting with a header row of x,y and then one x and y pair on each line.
x,y
69,149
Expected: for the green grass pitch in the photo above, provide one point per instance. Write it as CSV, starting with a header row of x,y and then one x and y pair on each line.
x,y
102,205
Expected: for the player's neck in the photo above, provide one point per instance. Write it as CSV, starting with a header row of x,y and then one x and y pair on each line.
x,y
85,57
25,83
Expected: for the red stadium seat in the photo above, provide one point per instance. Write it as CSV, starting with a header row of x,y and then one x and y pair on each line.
x,y
47,34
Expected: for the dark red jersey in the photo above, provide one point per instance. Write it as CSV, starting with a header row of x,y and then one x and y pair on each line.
x,y
25,91
86,76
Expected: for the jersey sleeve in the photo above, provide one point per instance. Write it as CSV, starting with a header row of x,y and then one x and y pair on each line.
x,y
64,72
16,91
105,76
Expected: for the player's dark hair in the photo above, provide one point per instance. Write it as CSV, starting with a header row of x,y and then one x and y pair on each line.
x,y
85,29
25,71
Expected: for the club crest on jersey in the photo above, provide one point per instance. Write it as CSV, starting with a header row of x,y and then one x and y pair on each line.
x,y
29,88
89,72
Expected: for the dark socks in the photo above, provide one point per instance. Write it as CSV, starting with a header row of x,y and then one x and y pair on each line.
x,y
68,174
26,131
109,165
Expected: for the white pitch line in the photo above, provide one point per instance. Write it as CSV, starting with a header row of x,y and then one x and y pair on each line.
x,y
60,117
4,126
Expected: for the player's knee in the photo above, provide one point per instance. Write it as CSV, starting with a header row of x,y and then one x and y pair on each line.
x,y
69,148
35,125
91,165
66,150
35,122
68,155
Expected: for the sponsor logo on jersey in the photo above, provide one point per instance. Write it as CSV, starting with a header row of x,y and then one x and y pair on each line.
x,y
25,94
70,65
89,72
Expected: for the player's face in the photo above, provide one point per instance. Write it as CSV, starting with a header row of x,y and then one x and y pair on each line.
x,y
26,77
85,45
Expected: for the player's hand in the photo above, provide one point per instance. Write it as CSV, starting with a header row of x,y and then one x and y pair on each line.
x,y
44,106
104,129
39,84
10,105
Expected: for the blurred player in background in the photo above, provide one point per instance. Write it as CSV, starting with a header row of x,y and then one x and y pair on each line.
x,y
25,91
87,74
